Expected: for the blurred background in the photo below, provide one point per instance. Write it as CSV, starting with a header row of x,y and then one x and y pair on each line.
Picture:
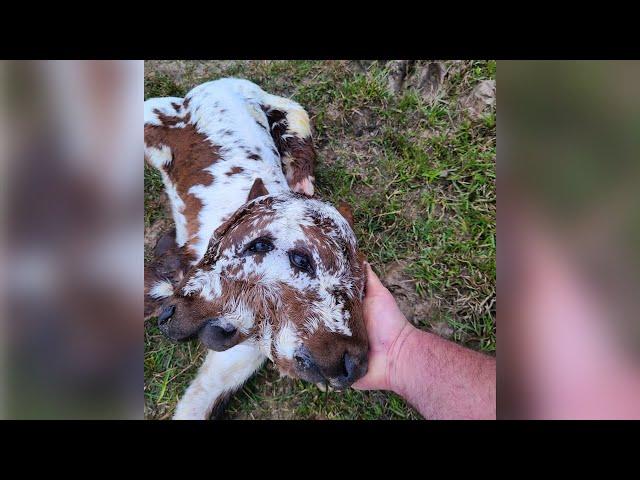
x,y
72,256
568,232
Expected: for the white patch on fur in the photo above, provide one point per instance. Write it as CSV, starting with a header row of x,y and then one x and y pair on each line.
x,y
286,341
258,115
304,186
238,136
240,315
311,324
266,339
207,284
220,373
161,289
332,314
163,105
297,118
158,157
177,208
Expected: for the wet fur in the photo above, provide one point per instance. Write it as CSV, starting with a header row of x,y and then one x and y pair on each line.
x,y
237,163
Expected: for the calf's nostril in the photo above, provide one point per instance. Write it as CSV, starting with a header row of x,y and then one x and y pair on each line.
x,y
222,330
304,362
303,358
355,367
345,365
349,366
166,314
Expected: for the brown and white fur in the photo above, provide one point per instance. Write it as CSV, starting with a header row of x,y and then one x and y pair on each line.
x,y
257,269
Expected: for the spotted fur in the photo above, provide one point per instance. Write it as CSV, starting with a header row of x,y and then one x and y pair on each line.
x,y
237,166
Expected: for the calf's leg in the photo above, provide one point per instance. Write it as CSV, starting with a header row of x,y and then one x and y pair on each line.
x,y
221,374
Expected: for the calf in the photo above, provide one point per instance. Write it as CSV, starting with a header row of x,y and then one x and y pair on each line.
x,y
256,268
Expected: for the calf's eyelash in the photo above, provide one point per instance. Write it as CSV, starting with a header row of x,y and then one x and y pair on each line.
x,y
259,245
302,261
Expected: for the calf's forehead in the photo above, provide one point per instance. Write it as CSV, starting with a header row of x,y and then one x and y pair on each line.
x,y
291,222
298,218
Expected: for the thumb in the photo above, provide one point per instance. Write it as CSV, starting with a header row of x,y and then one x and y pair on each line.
x,y
374,285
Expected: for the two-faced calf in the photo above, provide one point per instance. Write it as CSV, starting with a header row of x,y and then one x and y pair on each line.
x,y
257,268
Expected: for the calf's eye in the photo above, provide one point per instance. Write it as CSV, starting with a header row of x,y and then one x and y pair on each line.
x,y
301,261
260,245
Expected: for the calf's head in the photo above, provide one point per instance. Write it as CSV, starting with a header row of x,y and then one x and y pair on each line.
x,y
283,272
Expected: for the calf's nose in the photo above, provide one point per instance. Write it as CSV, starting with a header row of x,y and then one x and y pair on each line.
x,y
353,368
218,335
166,315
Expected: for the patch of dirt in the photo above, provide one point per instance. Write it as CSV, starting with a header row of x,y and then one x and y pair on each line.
x,y
364,122
419,311
152,233
403,289
425,76
413,208
271,403
442,329
430,78
481,99
398,71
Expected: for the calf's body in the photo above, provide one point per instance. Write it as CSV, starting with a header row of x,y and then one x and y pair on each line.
x,y
257,268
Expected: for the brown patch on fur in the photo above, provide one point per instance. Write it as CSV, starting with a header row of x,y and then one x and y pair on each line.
x,y
171,120
169,262
260,210
322,235
326,250
221,404
191,153
298,154
234,171
297,303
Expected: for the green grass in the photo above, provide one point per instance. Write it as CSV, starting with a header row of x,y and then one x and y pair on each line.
x,y
420,177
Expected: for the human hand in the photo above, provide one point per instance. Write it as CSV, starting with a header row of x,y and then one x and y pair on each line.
x,y
387,327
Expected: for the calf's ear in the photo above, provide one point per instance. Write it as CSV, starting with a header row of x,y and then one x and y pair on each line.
x,y
345,210
163,273
257,190
211,255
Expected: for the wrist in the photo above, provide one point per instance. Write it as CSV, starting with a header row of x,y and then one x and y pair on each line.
x,y
394,359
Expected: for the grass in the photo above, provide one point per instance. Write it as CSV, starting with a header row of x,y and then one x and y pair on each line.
x,y
420,177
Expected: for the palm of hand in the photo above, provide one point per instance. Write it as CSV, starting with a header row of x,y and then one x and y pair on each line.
x,y
385,323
